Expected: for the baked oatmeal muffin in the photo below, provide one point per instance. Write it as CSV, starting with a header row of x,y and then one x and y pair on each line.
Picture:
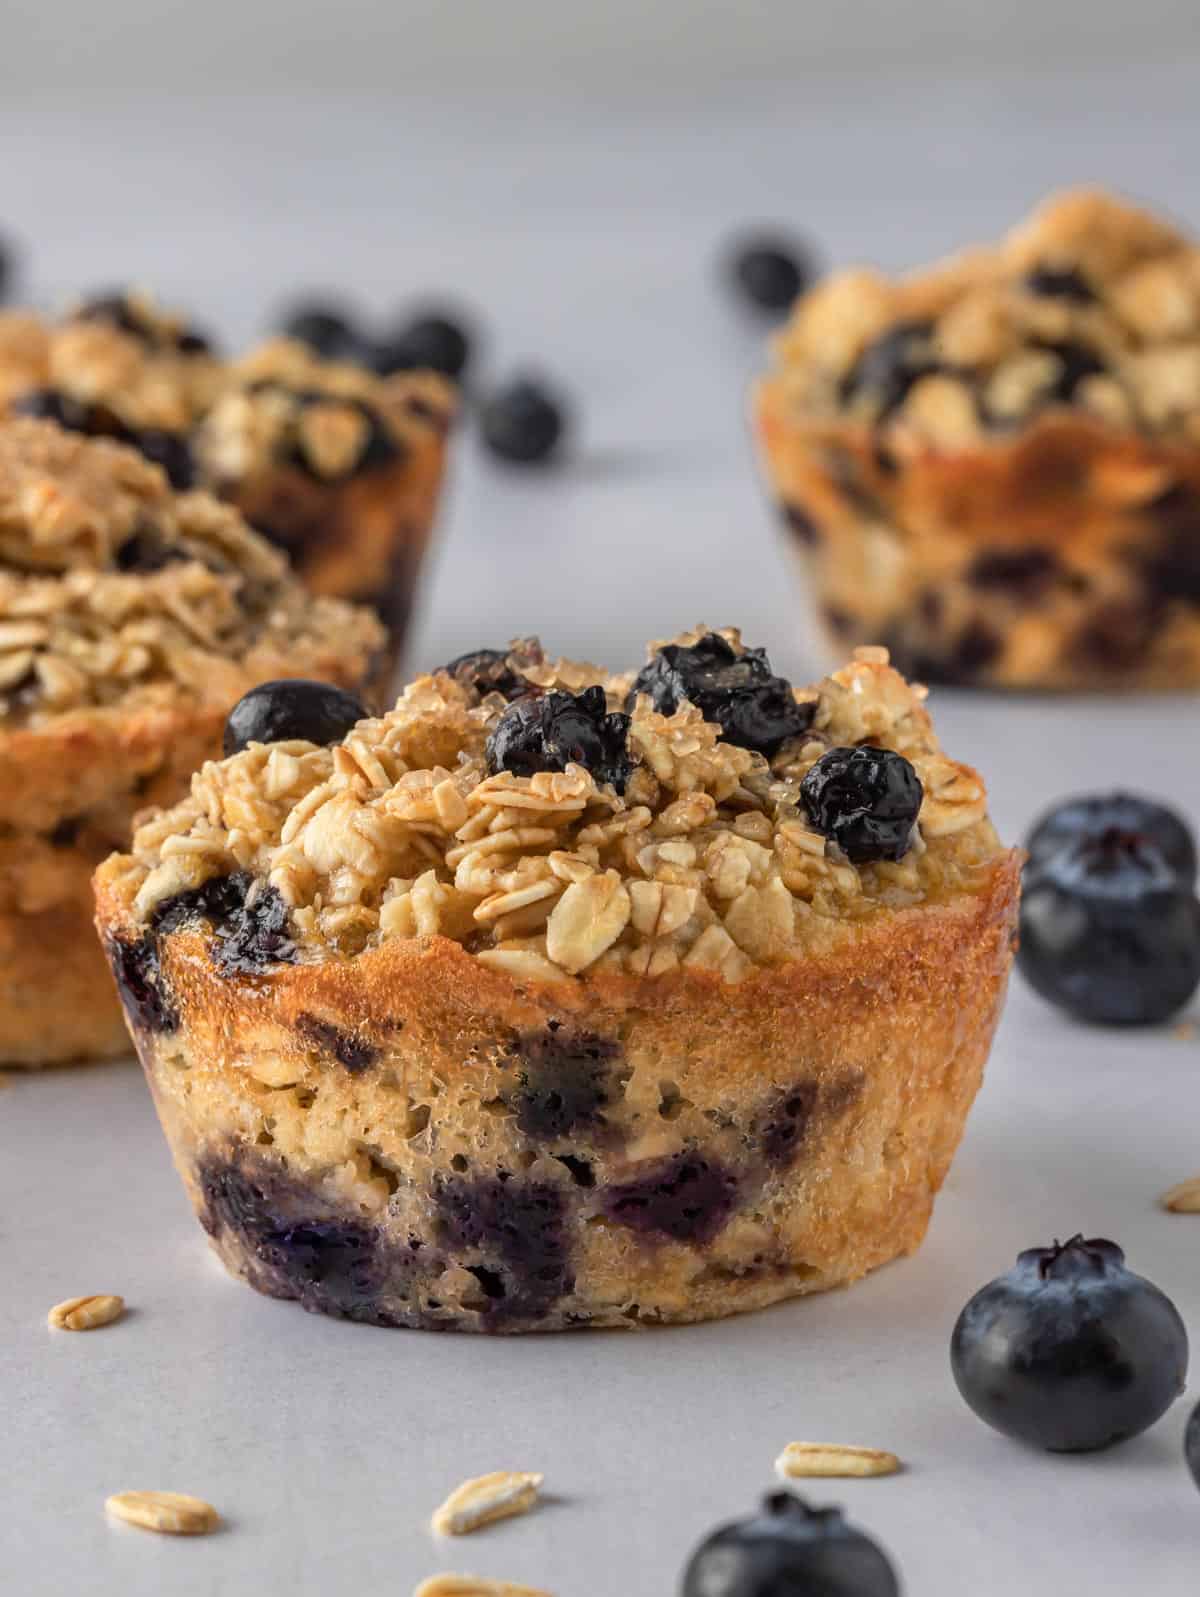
x,y
556,999
336,465
118,366
131,619
993,467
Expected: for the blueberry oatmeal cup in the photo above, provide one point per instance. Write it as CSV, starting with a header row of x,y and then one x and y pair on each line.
x,y
993,467
131,619
118,366
337,466
553,998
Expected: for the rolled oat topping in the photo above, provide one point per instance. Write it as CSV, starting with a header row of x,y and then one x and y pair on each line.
x,y
114,589
1090,303
707,859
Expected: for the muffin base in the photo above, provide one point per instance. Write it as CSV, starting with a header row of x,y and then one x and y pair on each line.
x,y
57,1002
411,1139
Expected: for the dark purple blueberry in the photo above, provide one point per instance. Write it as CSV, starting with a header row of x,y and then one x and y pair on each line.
x,y
888,368
1173,568
146,551
327,329
293,708
170,451
789,1550
432,341
770,270
1070,1351
51,404
866,800
1092,814
485,671
255,936
139,978
519,1230
564,1082
1076,362
579,1170
215,901
1060,282
523,422
754,708
1109,932
549,731
350,1050
686,1197
786,1122
1023,573
1191,1444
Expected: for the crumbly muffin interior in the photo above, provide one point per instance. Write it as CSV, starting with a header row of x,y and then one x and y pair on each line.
x,y
703,856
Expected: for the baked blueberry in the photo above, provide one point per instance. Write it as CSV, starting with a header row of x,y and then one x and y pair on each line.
x,y
686,1197
753,707
326,328
789,1550
485,671
1092,814
431,342
1060,282
51,404
138,975
292,708
1070,1351
864,799
1108,930
1076,362
523,422
549,731
888,368
770,270
1191,1444
171,452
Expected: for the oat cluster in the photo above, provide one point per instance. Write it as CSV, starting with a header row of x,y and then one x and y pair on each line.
x,y
706,860
112,587
1089,303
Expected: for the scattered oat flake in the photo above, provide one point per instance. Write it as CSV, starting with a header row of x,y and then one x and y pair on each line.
x,y
484,1500
800,1459
1184,1198
473,1586
171,1513
87,1313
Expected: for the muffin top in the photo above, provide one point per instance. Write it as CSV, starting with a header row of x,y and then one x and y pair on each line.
x,y
329,420
556,820
1090,305
117,594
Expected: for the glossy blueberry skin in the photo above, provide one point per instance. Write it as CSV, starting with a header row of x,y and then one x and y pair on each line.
x,y
292,708
326,328
523,423
549,731
1070,1351
1191,1444
434,342
789,1550
865,799
1090,815
769,271
485,671
1108,933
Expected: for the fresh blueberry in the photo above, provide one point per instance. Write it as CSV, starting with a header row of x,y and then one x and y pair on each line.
x,y
865,799
1092,814
753,707
549,731
327,329
431,342
1108,931
1191,1444
789,1550
485,671
1060,282
293,708
770,270
523,422
1069,1350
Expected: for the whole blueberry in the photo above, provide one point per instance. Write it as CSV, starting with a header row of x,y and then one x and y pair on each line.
x,y
1191,1444
1108,932
430,342
549,731
1070,1351
328,329
754,708
523,422
294,708
1092,814
865,799
789,1550
770,270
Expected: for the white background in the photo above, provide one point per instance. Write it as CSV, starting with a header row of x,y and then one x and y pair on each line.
x,y
584,227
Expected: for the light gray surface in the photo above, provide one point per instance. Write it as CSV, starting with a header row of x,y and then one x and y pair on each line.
x,y
588,241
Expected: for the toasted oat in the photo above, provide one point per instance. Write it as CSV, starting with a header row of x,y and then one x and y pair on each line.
x,y
171,1513
473,1586
801,1459
486,1499
1183,1198
86,1313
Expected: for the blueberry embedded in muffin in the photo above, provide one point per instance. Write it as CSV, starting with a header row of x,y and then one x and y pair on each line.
x,y
992,467
131,619
521,1010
